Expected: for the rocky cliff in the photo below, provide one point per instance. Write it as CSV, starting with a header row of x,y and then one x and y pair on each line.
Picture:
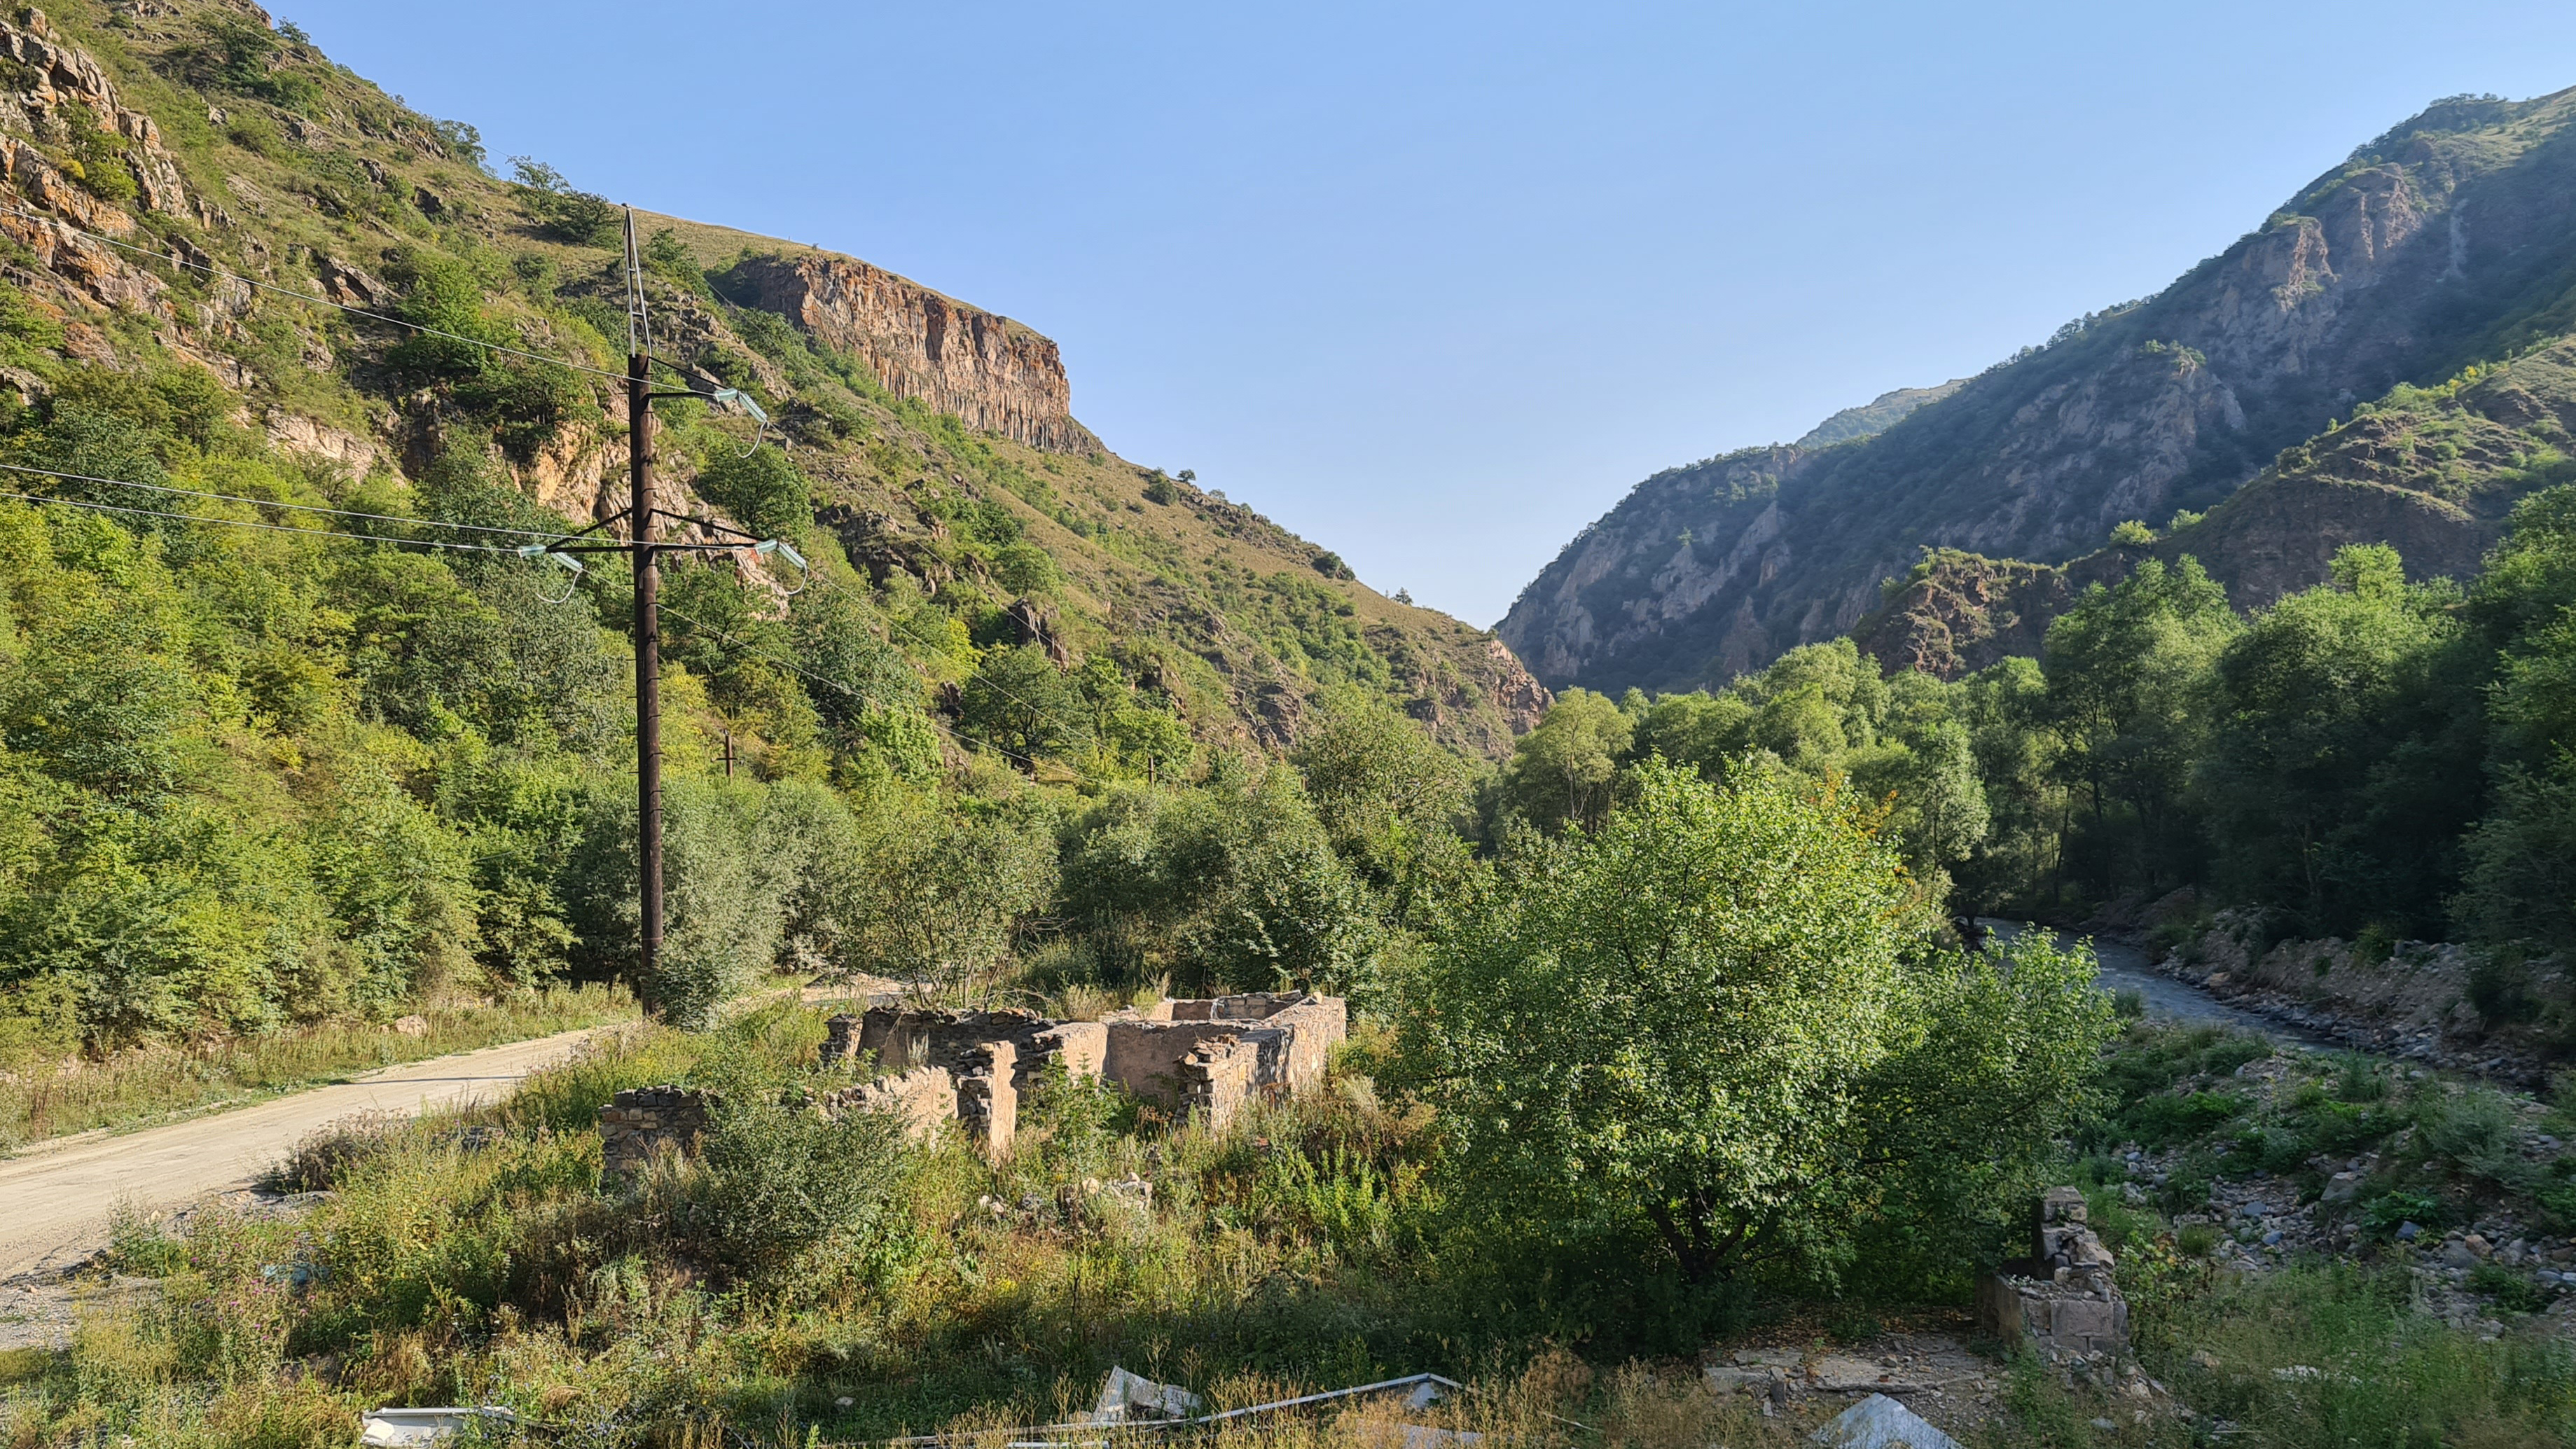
x,y
988,370
180,180
2430,471
2449,240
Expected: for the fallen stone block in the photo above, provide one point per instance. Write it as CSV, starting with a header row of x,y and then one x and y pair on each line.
x,y
1879,1422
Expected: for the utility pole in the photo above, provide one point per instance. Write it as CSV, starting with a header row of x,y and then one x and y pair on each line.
x,y
648,651
645,550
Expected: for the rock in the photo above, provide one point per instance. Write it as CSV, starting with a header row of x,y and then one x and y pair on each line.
x,y
412,1025
2408,1232
1728,1379
2204,1360
1879,1422
1125,1396
2458,1255
2478,1245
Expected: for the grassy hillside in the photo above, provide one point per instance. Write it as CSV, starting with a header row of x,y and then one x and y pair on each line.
x,y
2431,471
294,741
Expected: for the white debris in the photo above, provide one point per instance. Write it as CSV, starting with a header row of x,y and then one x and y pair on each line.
x,y
1127,1396
1879,1422
400,1428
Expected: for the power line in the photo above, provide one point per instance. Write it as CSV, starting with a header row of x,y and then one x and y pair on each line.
x,y
270,527
273,503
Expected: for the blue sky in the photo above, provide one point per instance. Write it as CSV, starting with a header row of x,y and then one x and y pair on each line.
x,y
1435,285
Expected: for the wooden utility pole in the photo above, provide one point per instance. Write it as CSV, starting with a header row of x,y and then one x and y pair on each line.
x,y
648,655
645,551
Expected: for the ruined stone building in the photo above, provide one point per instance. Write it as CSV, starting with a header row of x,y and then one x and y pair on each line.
x,y
1201,1059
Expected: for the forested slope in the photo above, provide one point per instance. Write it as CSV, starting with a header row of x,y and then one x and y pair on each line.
x,y
294,734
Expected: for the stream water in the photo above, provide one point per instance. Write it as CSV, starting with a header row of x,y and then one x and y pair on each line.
x,y
2125,968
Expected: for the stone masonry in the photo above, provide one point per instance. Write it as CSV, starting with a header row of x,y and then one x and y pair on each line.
x,y
641,1118
1204,1058
2061,1300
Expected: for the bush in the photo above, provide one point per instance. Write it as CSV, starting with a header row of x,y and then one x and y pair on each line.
x,y
325,1156
1709,1025
774,1179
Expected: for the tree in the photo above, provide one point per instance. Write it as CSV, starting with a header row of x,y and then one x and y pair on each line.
x,y
1021,704
1671,1016
1378,780
2128,669
1696,1020
940,894
1561,772
2337,784
762,489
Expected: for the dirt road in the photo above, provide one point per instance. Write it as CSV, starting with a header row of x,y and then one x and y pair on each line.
x,y
55,1199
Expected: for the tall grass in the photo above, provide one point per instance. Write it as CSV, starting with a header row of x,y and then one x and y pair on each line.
x,y
138,1087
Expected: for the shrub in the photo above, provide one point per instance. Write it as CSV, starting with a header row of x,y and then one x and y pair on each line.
x,y
323,1159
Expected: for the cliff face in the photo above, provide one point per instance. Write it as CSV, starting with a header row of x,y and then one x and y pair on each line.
x,y
988,370
2432,472
2451,239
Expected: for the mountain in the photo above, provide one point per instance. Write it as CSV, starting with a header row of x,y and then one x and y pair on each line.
x,y
936,439
2444,244
1877,415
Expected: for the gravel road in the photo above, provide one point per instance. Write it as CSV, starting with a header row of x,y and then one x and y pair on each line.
x,y
56,1197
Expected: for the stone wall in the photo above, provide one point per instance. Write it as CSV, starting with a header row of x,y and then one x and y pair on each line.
x,y
2062,1300
1204,1057
922,1099
640,1119
1184,1054
959,1040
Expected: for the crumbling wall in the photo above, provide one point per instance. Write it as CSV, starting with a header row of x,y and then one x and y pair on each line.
x,y
640,1119
2062,1300
957,1040
1218,1077
921,1099
1206,1057
988,1104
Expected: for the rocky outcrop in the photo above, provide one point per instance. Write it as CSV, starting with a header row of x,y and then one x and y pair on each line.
x,y
2433,247
988,370
2431,472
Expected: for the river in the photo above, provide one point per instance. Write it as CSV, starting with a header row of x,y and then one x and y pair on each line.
x,y
2124,967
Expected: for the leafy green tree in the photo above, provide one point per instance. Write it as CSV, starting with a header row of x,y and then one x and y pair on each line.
x,y
762,489
2128,676
1561,772
1234,885
1669,1020
1698,1023
940,894
1021,704
1379,782
2337,783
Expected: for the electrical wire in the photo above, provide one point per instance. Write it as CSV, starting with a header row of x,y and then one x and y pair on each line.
x,y
273,503
269,527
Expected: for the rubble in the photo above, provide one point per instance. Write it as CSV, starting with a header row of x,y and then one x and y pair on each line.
x,y
2062,1300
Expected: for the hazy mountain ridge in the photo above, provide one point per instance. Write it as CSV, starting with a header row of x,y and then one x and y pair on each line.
x,y
2443,243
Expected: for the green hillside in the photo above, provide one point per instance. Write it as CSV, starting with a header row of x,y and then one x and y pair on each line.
x,y
260,776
